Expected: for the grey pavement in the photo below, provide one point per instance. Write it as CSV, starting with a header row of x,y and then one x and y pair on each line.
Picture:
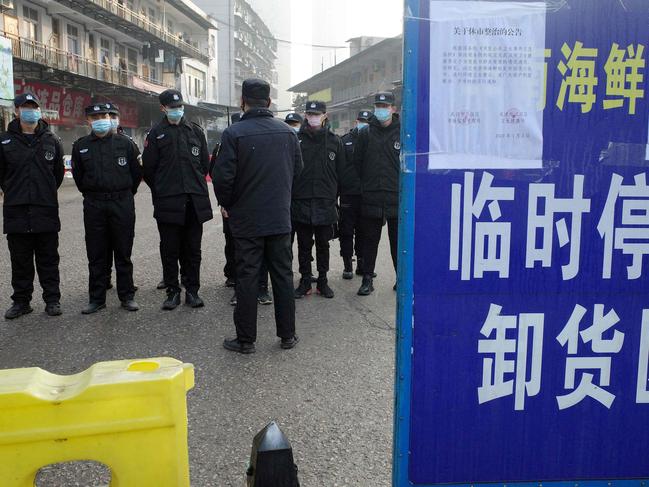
x,y
332,395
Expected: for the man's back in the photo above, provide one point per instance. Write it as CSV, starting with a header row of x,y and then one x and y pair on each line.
x,y
253,175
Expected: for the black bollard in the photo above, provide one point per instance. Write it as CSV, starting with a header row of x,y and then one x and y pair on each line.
x,y
271,460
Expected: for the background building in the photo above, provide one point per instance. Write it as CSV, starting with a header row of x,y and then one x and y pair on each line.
x,y
348,87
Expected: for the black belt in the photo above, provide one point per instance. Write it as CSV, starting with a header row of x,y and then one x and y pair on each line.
x,y
118,195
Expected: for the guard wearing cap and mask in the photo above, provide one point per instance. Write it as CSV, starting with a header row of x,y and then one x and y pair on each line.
x,y
254,171
295,121
350,202
106,170
315,192
376,158
31,171
176,162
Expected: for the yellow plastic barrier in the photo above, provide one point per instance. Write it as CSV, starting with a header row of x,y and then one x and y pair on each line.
x,y
130,415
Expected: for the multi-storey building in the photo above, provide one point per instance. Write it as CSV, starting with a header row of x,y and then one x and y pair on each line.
x,y
348,87
70,52
247,49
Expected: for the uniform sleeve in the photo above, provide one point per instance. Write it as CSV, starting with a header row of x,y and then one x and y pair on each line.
x,y
341,162
215,153
299,163
224,171
205,154
150,159
3,172
359,151
134,166
77,167
59,163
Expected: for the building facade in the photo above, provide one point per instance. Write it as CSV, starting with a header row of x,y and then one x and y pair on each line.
x,y
348,87
73,52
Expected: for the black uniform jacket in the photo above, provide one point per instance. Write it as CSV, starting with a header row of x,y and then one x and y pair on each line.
x,y
350,183
253,175
109,164
176,161
376,157
30,175
316,189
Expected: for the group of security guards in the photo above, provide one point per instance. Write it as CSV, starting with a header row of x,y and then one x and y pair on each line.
x,y
275,182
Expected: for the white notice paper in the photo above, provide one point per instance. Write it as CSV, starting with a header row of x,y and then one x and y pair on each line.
x,y
487,82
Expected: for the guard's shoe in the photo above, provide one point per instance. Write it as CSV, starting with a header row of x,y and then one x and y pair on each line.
x,y
17,310
394,288
264,298
93,308
229,282
172,301
194,300
288,343
367,287
109,285
235,345
304,288
324,289
53,309
161,285
233,300
130,305
348,272
136,288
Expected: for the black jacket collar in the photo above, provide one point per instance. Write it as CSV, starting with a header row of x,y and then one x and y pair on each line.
x,y
15,128
257,112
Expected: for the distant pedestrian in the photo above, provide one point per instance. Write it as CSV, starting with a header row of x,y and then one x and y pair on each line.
x,y
31,171
107,172
253,176
351,239
176,162
313,209
376,157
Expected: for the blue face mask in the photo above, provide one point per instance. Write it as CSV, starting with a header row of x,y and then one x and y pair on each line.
x,y
361,125
114,123
296,129
101,126
175,114
30,115
383,114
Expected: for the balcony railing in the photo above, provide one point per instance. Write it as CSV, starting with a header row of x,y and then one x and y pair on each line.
x,y
146,24
37,52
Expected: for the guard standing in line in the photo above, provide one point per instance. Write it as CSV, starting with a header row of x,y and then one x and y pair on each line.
x,y
350,202
376,157
31,171
253,176
313,208
107,171
176,162
295,121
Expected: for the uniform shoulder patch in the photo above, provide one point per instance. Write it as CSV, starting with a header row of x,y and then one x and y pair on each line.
x,y
349,143
83,151
6,141
332,156
161,136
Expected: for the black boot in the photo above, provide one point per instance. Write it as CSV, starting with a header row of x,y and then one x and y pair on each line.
x,y
359,266
323,288
348,272
367,287
17,310
193,300
172,301
92,308
304,288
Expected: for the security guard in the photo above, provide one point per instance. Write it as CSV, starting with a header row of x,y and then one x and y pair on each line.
x,y
106,170
376,157
295,121
31,171
176,163
313,208
253,175
350,202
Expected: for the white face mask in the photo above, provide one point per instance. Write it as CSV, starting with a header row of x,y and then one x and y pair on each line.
x,y
315,121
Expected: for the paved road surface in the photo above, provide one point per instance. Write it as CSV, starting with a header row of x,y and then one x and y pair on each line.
x,y
332,395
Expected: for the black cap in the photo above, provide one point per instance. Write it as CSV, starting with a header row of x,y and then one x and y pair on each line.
x,y
256,88
98,109
114,109
384,97
293,117
315,107
171,98
23,98
365,115
235,117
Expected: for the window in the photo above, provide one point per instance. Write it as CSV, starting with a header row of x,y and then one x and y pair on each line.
x,y
196,82
56,33
74,46
104,51
132,60
29,23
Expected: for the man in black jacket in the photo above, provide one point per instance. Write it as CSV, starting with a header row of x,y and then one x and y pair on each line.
x,y
176,162
257,163
376,157
31,171
315,191
350,202
107,172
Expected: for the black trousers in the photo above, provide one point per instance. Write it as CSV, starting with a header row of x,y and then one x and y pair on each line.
x,y
251,253
372,229
24,248
349,227
306,235
109,225
230,269
181,244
